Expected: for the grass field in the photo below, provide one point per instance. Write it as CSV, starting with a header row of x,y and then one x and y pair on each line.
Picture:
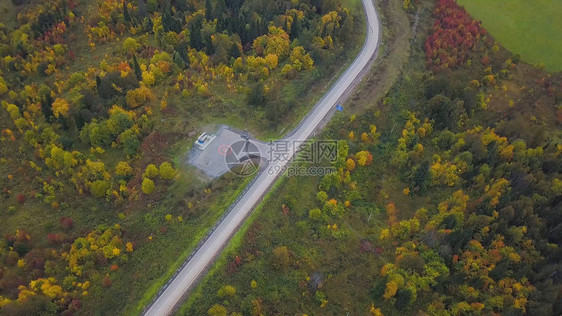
x,y
532,29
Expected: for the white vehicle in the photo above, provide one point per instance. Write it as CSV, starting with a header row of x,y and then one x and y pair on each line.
x,y
204,140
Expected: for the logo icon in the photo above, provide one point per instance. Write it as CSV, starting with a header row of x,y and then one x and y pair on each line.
x,y
241,157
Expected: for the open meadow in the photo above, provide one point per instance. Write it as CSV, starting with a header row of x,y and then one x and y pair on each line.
x,y
532,29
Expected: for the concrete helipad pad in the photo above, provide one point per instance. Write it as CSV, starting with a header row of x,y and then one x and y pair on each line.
x,y
213,159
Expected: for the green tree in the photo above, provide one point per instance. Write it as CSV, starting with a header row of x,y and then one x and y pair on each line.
x,y
226,291
217,310
315,214
130,142
130,45
136,67
256,95
208,10
126,14
99,188
195,37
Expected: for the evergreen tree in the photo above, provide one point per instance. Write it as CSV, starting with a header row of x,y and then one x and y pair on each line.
x,y
296,28
208,10
195,37
181,5
136,67
182,54
46,104
234,51
142,11
147,24
98,82
170,23
126,15
220,8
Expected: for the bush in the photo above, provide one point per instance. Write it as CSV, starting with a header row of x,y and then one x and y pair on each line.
x,y
167,171
138,97
226,291
99,188
130,44
151,171
123,169
315,214
106,282
147,186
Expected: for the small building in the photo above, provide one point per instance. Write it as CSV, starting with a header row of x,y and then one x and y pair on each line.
x,y
204,140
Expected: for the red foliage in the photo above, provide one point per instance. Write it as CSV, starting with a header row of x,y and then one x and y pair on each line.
x,y
106,282
114,267
455,35
56,238
75,305
35,259
285,209
365,246
66,222
20,198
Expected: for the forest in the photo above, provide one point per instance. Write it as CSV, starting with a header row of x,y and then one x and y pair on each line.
x,y
101,100
447,199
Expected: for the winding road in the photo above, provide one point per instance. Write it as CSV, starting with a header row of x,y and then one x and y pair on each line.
x,y
200,260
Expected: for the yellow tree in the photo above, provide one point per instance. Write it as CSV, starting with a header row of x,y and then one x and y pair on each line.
x,y
60,107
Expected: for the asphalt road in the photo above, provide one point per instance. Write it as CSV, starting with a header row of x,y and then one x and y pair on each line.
x,y
198,263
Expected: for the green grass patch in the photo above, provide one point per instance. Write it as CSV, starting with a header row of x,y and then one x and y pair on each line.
x,y
531,29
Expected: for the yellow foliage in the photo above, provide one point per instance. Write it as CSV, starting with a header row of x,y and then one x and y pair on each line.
x,y
385,234
138,97
375,311
365,137
300,59
123,169
390,290
271,60
60,107
129,247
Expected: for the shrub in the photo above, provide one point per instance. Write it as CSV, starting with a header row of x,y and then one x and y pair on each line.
x,y
151,171
99,188
147,186
123,169
167,171
66,222
106,282
138,97
315,214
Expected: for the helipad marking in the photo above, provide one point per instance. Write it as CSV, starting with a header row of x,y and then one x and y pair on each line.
x,y
225,150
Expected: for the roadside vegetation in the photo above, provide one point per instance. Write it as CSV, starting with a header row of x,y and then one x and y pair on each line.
x,y
530,29
446,200
101,100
